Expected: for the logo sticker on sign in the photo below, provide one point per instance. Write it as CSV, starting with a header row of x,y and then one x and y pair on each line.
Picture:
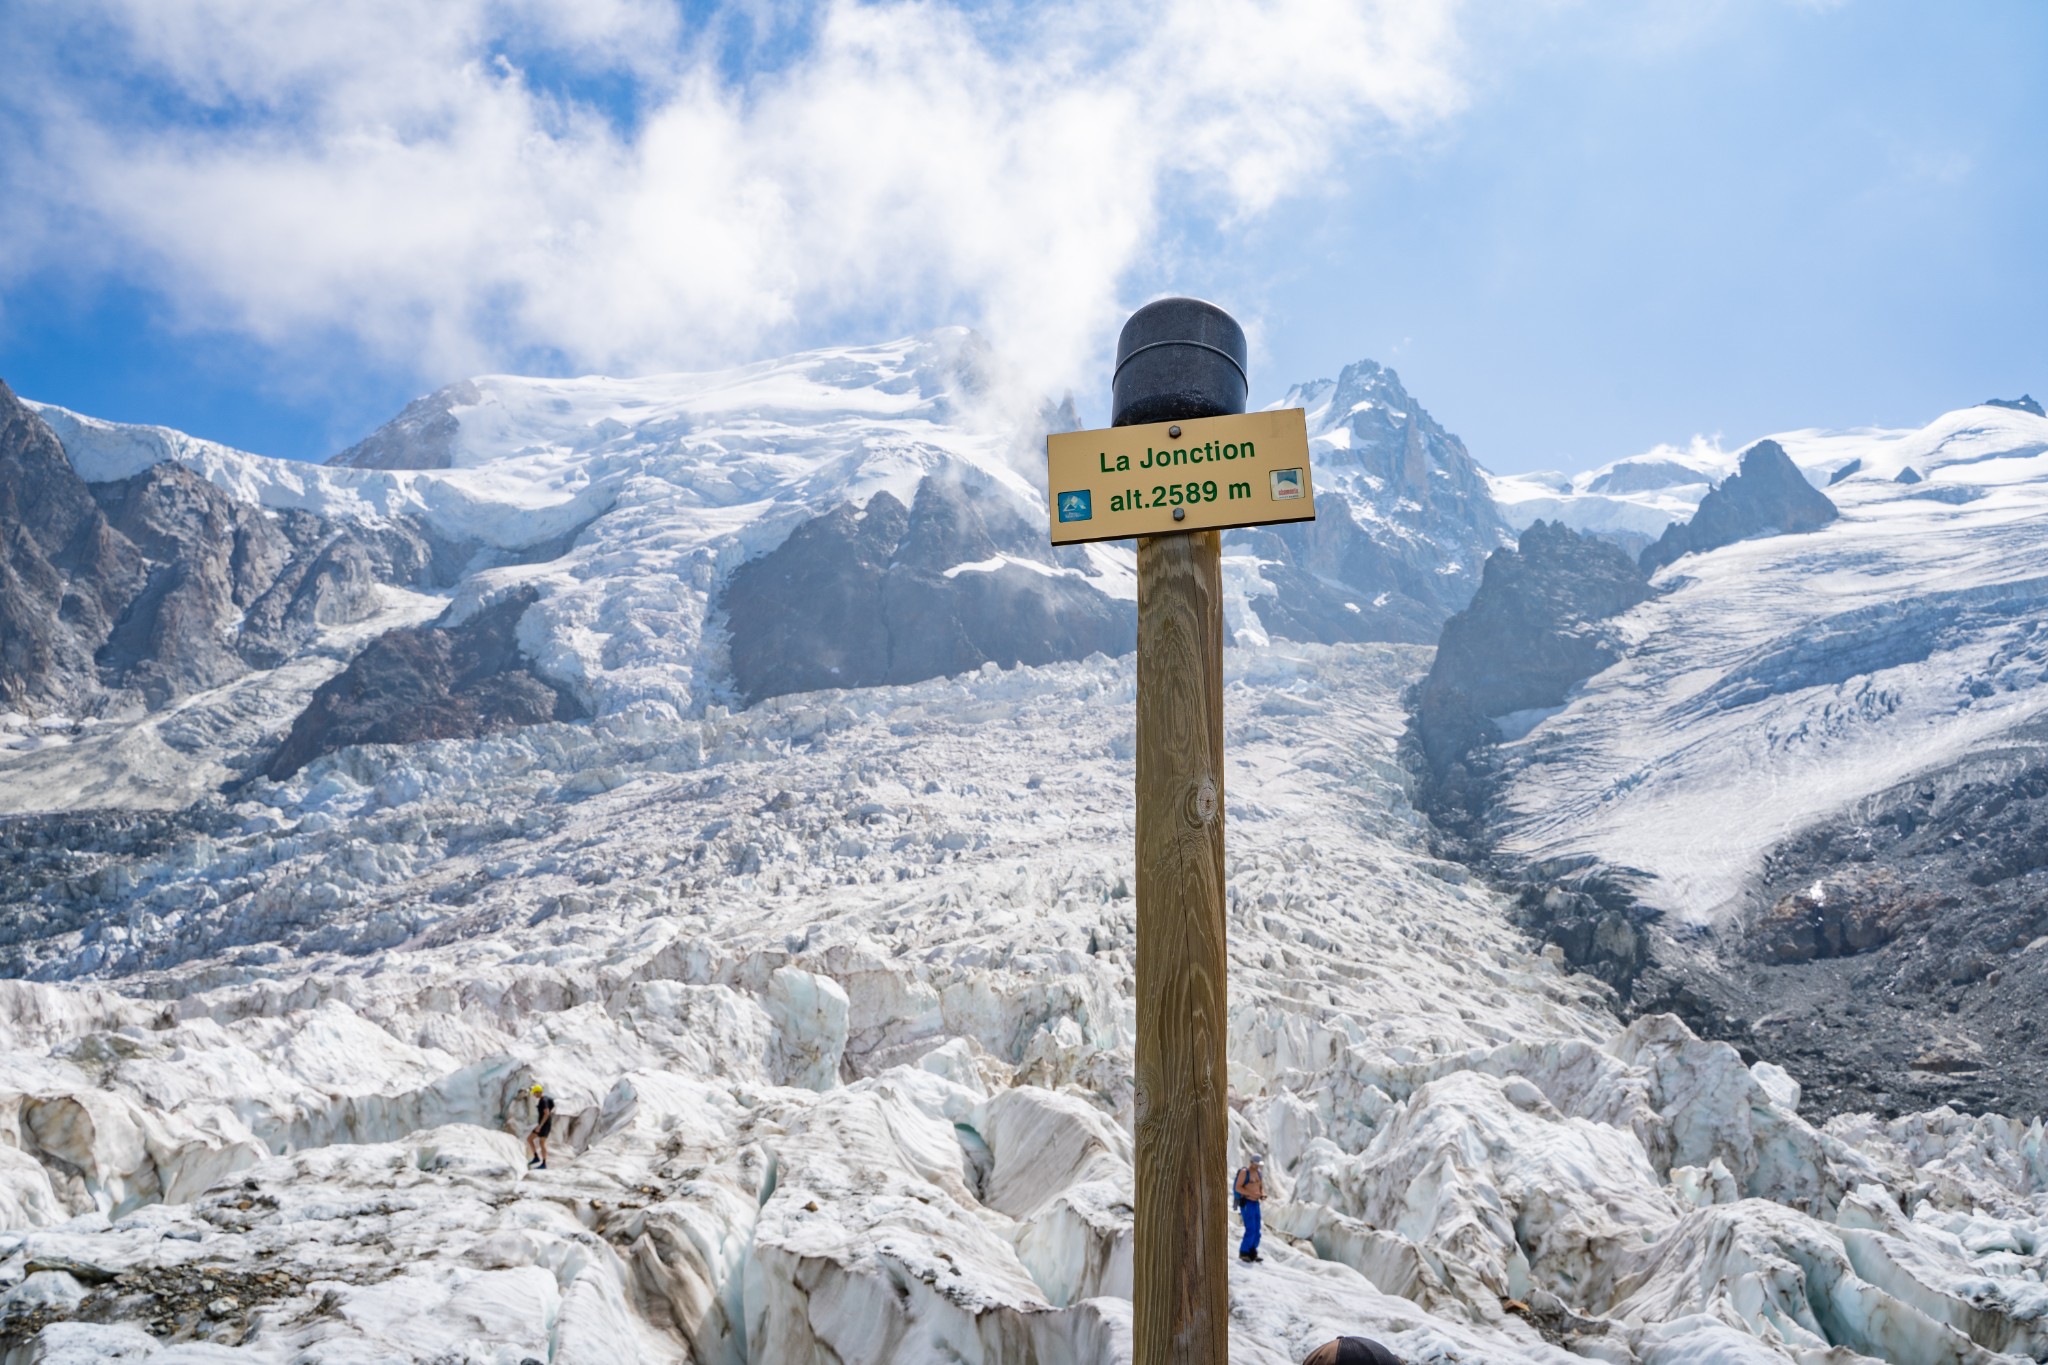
x,y
1286,484
1076,506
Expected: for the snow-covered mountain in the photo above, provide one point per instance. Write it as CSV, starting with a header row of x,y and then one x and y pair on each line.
x,y
844,517
1633,499
544,736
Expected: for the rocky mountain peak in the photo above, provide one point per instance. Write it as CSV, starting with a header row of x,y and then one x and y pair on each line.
x,y
1408,520
422,436
1766,496
1529,637
2026,402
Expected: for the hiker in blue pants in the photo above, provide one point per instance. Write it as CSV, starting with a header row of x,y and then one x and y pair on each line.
x,y
1250,1188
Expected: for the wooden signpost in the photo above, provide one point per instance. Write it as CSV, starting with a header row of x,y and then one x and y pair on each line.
x,y
1181,461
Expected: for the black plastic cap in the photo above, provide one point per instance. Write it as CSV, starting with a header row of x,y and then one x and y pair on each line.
x,y
1178,359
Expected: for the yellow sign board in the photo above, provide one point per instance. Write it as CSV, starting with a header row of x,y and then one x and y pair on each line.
x,y
1246,470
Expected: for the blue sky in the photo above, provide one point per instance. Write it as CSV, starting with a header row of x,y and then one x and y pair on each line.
x,y
1577,230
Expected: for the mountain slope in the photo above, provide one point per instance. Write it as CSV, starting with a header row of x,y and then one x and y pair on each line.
x,y
1748,790
844,517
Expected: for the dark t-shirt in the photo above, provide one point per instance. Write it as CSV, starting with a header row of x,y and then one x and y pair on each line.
x,y
1351,1351
546,1115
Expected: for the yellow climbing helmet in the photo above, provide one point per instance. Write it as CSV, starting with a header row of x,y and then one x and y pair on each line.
x,y
536,1090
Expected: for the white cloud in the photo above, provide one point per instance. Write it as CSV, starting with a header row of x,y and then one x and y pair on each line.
x,y
410,172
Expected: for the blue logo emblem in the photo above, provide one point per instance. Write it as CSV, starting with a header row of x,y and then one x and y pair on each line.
x,y
1076,506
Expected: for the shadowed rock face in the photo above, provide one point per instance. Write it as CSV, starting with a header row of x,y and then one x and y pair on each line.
x,y
420,437
2026,402
432,682
1768,496
887,594
65,575
1529,637
134,593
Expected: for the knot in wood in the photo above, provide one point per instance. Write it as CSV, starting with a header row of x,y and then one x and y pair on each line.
x,y
1202,802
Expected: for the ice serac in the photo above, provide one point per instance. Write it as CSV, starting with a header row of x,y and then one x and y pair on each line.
x,y
844,1073
1767,496
1405,518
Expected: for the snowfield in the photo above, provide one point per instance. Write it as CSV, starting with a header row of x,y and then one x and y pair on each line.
x,y
835,997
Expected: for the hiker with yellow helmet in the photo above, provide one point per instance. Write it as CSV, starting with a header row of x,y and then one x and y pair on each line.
x,y
544,1123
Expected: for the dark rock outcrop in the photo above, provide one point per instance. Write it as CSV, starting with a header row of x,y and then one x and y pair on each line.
x,y
1898,958
430,682
2026,402
888,594
1530,636
65,574
1767,496
422,436
150,588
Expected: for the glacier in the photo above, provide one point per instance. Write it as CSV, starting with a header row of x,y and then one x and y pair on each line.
x,y
834,994
1815,669
834,989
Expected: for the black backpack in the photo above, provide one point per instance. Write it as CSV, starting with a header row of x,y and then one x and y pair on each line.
x,y
1236,1198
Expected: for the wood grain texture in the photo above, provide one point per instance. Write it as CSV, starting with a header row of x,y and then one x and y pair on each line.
x,y
1182,1287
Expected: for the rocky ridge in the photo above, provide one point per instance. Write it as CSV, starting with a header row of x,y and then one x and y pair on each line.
x,y
1532,634
127,595
849,517
1797,774
1767,496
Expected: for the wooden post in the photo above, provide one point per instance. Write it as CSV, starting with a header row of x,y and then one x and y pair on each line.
x,y
1180,359
1182,1270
